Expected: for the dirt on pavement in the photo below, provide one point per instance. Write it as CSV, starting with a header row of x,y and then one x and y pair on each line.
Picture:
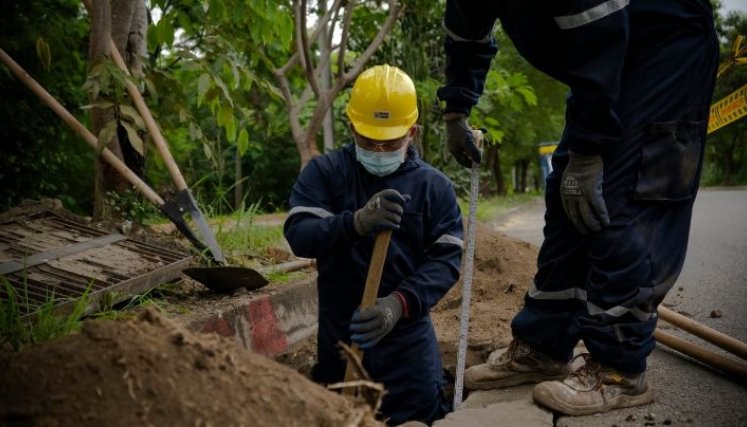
x,y
149,371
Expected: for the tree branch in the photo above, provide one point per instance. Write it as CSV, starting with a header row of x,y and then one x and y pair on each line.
x,y
346,18
394,14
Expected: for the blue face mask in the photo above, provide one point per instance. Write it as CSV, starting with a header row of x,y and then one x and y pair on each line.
x,y
380,163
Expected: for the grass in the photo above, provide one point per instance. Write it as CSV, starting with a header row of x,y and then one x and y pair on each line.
x,y
20,327
488,209
238,233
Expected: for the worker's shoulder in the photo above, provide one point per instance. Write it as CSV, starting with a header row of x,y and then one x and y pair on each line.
x,y
333,160
432,174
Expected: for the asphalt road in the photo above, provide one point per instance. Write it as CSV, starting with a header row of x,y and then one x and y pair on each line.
x,y
714,278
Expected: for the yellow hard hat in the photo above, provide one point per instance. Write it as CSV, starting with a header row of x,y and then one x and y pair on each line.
x,y
383,104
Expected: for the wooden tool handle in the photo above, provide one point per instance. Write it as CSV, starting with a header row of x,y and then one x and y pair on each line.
x,y
145,113
81,130
708,357
724,341
371,291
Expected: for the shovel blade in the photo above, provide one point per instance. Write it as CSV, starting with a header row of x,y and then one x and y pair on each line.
x,y
226,280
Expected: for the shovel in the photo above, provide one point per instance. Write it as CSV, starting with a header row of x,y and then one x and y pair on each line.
x,y
212,277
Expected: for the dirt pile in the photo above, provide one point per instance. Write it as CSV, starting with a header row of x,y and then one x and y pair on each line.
x,y
503,270
148,371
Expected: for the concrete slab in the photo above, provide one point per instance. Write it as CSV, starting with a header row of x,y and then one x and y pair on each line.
x,y
483,398
516,413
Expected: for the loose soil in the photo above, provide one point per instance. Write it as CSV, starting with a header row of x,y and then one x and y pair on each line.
x,y
149,371
503,271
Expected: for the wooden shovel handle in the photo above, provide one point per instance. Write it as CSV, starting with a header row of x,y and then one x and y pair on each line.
x,y
699,353
142,108
722,340
81,130
371,291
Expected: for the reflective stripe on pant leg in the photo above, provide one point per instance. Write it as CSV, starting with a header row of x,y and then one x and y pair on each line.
x,y
546,322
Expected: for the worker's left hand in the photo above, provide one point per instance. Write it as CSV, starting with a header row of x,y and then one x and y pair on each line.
x,y
581,192
370,325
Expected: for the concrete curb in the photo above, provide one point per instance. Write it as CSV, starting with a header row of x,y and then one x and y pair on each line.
x,y
267,324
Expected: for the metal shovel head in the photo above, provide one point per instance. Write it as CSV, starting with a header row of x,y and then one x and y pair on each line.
x,y
226,280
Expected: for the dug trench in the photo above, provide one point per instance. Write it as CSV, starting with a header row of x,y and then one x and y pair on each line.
x,y
503,271
152,370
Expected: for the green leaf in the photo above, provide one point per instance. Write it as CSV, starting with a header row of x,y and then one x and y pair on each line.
x,y
151,37
243,142
42,51
132,114
231,128
103,105
151,89
133,137
225,115
106,134
194,132
203,84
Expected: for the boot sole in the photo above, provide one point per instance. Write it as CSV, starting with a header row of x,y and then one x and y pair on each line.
x,y
527,378
624,401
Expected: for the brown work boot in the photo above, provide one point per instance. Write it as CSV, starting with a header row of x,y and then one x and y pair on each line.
x,y
518,364
593,388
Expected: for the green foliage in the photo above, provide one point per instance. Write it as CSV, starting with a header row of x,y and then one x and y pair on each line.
x,y
42,157
240,236
20,327
726,148
130,205
491,208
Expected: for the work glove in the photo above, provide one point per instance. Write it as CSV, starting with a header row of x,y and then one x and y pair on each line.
x,y
370,325
383,211
460,140
581,192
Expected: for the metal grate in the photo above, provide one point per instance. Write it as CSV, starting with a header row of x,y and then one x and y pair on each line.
x,y
44,256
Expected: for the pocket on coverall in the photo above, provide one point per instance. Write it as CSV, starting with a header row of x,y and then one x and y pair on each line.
x,y
669,161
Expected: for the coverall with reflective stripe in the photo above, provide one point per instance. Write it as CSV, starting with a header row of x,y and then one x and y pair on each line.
x,y
641,75
422,263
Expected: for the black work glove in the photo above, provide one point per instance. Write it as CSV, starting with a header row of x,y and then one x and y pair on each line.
x,y
383,211
370,325
460,140
581,192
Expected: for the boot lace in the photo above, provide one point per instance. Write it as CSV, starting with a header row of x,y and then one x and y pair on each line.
x,y
590,374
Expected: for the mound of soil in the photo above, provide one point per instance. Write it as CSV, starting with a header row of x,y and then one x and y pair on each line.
x,y
503,270
149,371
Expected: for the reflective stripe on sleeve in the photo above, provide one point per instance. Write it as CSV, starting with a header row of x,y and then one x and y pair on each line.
x,y
580,294
449,239
321,213
590,15
454,35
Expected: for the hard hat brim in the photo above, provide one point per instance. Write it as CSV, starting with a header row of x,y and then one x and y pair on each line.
x,y
379,133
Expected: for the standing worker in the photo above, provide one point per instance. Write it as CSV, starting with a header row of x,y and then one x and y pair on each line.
x,y
641,75
339,203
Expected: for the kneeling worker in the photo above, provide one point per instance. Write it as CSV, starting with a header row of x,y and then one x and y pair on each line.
x,y
339,203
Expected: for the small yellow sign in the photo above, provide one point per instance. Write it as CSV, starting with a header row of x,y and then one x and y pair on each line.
x,y
729,109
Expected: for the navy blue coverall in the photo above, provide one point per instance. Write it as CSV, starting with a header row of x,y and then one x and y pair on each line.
x,y
641,75
422,262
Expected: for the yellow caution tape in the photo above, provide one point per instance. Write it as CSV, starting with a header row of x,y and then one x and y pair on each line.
x,y
729,109
547,149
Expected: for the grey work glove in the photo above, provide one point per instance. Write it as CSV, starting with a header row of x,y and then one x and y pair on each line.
x,y
460,140
581,192
383,211
370,325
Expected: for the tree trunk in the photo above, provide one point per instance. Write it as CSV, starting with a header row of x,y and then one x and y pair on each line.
x,y
500,183
238,190
125,22
325,78
106,178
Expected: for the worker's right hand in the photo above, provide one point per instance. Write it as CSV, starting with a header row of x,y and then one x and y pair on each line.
x,y
460,140
382,212
581,192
